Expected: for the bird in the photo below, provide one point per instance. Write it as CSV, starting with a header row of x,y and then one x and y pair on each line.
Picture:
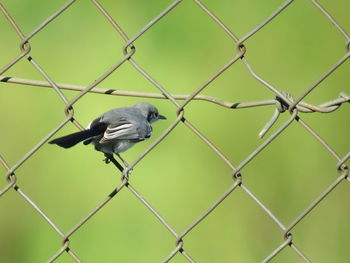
x,y
115,131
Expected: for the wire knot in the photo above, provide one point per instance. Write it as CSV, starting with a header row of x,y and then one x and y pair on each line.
x,y
342,168
179,244
288,236
237,176
281,104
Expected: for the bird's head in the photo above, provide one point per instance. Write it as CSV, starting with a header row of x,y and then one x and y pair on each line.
x,y
149,111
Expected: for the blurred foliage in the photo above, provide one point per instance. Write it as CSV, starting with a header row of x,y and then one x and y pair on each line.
x,y
181,177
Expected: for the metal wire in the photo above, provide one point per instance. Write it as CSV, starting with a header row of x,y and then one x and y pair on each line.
x,y
282,103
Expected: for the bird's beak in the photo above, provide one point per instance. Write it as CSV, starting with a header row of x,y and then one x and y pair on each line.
x,y
161,117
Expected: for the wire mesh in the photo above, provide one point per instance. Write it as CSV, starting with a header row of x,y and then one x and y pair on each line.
x,y
283,102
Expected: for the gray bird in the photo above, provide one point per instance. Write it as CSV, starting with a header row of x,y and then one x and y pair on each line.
x,y
116,130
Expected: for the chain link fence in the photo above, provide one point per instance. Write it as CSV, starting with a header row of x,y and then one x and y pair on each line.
x,y
283,103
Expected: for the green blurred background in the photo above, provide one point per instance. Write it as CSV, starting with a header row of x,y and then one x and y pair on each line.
x,y
181,177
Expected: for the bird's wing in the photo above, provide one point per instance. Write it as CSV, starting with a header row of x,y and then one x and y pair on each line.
x,y
125,129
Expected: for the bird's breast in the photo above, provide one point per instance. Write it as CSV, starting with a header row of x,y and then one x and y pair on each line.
x,y
122,146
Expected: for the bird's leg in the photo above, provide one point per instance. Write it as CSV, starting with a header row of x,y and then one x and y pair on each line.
x,y
109,158
126,170
124,162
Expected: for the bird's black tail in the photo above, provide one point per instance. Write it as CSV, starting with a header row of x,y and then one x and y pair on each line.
x,y
74,138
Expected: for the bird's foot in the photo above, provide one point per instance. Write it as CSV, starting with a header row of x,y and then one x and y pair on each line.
x,y
126,173
107,160
110,159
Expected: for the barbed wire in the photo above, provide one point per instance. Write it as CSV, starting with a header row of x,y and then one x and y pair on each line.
x,y
283,102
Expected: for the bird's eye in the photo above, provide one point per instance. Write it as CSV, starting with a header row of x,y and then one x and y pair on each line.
x,y
152,116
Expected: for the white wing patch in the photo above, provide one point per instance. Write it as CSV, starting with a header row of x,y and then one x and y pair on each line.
x,y
118,131
122,129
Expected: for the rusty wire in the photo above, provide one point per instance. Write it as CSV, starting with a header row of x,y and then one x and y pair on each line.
x,y
282,103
